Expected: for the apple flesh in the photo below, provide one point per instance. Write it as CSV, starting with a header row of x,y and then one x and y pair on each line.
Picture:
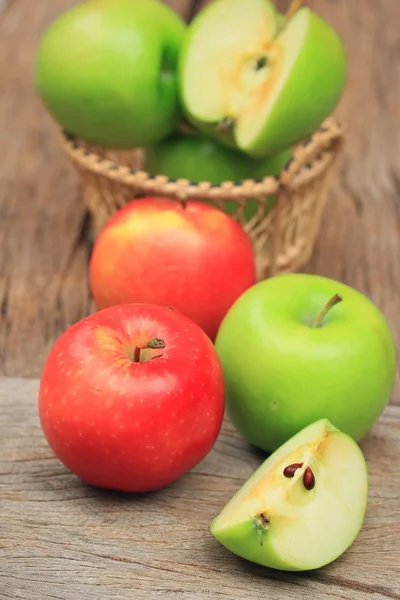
x,y
283,371
107,71
190,255
256,84
132,397
303,507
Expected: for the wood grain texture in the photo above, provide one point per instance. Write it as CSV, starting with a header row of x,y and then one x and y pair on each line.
x,y
61,539
43,224
43,285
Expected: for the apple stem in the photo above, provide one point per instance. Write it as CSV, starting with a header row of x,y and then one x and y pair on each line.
x,y
321,316
293,8
153,344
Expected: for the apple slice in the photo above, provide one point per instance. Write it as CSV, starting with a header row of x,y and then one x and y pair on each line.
x,y
303,507
255,81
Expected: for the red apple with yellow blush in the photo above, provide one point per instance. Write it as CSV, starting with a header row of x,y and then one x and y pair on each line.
x,y
132,397
191,256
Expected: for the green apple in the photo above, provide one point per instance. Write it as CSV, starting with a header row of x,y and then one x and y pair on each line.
x,y
256,83
303,507
200,158
107,71
197,158
296,348
271,165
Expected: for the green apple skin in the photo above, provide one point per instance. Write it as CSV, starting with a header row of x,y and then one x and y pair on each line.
x,y
197,158
313,90
282,374
271,166
307,529
107,71
200,158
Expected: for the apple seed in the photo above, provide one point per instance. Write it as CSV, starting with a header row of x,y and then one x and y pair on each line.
x,y
290,470
309,479
262,62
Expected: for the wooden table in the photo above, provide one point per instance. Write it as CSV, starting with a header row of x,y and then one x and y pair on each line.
x,y
60,539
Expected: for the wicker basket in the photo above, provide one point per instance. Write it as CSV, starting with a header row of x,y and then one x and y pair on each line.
x,y
283,236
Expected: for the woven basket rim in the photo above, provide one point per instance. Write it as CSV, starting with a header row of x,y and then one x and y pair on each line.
x,y
310,157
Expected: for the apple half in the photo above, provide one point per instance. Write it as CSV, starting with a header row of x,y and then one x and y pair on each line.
x,y
303,507
257,81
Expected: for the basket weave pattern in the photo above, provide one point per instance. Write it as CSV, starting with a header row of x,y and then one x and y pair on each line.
x,y
283,237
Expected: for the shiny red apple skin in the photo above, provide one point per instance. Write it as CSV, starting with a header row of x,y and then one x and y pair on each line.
x,y
191,256
132,426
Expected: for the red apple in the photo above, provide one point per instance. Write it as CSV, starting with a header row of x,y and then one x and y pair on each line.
x,y
132,397
191,256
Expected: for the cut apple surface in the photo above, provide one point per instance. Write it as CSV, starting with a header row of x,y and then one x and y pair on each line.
x,y
223,46
268,82
303,507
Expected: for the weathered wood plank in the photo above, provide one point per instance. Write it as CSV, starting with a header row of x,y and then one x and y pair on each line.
x,y
62,539
360,236
43,225
43,255
43,231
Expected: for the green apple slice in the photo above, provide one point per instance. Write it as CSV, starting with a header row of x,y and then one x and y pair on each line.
x,y
303,507
225,36
269,83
